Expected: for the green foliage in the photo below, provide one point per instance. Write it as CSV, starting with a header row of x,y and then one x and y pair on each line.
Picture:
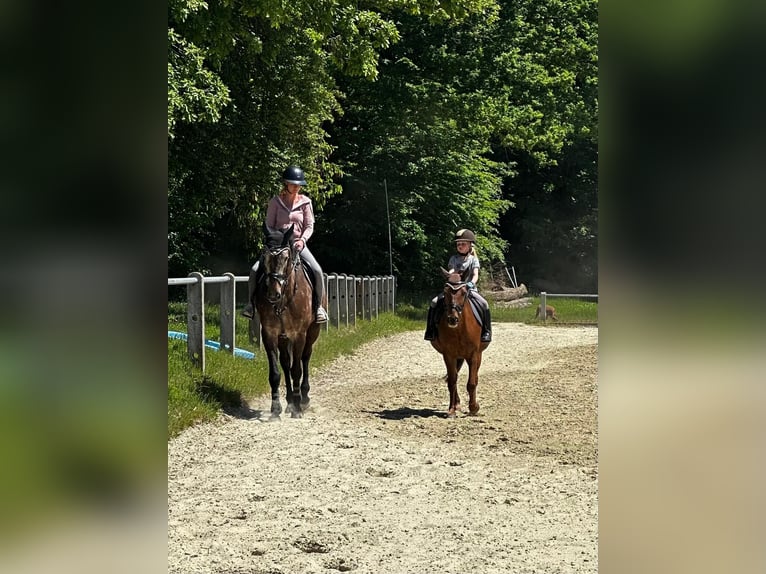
x,y
546,71
423,129
195,93
475,113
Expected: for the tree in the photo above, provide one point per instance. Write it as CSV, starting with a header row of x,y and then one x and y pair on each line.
x,y
423,129
252,88
546,55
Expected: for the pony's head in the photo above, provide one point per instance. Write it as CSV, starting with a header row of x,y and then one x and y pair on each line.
x,y
279,261
455,294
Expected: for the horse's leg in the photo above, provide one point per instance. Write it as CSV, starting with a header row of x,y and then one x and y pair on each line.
x,y
297,376
473,380
285,352
305,386
274,379
459,364
454,398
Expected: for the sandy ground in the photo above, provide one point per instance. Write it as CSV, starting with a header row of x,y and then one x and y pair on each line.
x,y
375,478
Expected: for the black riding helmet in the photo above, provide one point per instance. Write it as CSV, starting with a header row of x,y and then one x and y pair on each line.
x,y
294,174
465,235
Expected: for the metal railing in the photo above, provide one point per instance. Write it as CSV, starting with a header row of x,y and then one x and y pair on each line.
x,y
349,297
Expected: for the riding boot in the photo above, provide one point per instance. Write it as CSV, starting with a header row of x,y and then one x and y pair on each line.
x,y
430,325
318,295
249,311
486,327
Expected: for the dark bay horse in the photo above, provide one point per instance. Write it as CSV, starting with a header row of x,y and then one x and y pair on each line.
x,y
458,339
288,330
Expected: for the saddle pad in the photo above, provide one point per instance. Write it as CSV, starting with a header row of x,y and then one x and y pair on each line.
x,y
477,311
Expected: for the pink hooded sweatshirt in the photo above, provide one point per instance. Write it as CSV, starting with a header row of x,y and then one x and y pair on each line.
x,y
279,216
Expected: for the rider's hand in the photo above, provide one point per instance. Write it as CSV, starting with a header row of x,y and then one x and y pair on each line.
x,y
299,244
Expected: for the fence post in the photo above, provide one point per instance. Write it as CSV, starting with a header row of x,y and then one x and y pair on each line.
x,y
332,299
374,284
342,300
392,293
383,297
228,309
351,294
195,320
367,300
359,292
544,314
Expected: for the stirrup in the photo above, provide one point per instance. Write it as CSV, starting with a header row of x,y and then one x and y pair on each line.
x,y
321,316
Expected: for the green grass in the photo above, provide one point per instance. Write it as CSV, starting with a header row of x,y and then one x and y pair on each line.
x,y
568,311
229,380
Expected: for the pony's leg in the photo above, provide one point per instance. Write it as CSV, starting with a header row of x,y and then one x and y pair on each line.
x,y
274,379
296,373
473,381
454,398
285,353
305,386
459,364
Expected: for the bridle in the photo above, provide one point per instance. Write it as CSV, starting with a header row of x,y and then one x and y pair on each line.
x,y
281,279
454,306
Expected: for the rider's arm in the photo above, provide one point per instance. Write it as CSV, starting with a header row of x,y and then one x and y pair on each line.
x,y
308,221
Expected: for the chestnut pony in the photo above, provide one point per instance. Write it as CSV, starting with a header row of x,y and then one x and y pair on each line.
x,y
458,339
288,330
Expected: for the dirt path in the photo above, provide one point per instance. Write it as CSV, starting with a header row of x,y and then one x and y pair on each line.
x,y
375,479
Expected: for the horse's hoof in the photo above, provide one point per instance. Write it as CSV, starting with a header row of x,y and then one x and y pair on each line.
x,y
474,412
296,415
451,415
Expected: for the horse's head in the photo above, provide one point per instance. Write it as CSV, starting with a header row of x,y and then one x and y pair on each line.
x,y
279,261
455,294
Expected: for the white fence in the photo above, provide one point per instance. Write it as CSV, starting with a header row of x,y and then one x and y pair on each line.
x,y
349,298
544,297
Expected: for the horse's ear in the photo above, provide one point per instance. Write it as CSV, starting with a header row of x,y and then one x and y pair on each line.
x,y
288,235
445,272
